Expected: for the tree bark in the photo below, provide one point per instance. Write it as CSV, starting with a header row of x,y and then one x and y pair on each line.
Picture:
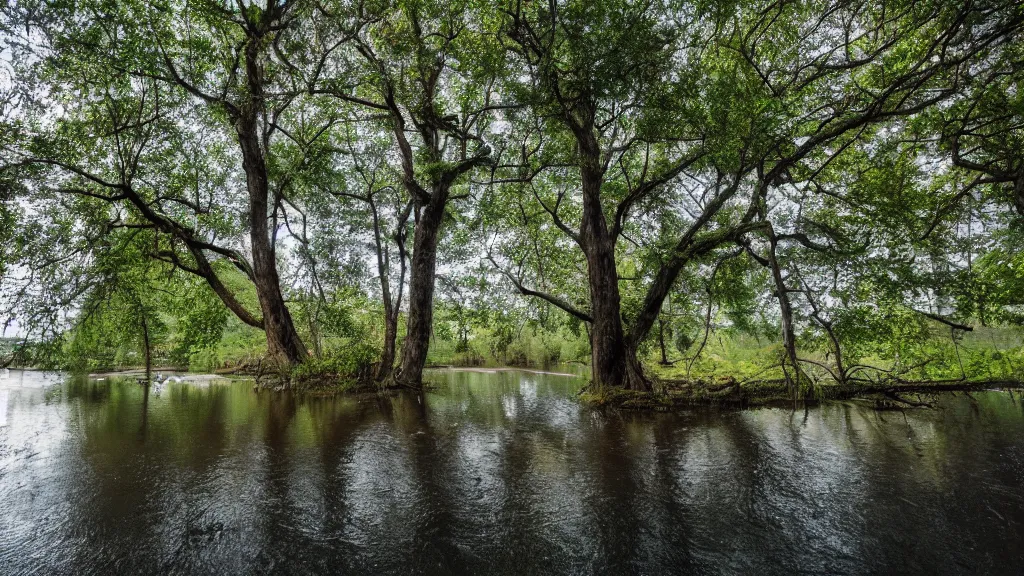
x,y
434,130
421,290
392,304
282,339
205,270
661,342
786,311
146,345
607,342
387,355
1018,194
612,365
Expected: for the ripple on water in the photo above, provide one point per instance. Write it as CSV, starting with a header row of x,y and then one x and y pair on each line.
x,y
500,472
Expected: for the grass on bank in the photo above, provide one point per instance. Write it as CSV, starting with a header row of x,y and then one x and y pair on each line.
x,y
349,339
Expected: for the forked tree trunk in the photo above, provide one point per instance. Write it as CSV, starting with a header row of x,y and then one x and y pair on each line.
x,y
613,363
387,355
392,304
421,292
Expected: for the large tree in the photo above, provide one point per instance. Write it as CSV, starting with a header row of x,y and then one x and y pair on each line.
x,y
722,114
426,72
155,110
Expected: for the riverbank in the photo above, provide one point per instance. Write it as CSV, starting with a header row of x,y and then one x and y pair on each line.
x,y
669,393
324,378
727,392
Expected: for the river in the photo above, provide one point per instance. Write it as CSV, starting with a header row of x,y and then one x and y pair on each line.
x,y
496,473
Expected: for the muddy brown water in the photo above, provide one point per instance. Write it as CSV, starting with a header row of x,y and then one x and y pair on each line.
x,y
496,473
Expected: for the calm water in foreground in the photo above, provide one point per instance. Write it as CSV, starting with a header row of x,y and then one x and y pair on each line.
x,y
495,473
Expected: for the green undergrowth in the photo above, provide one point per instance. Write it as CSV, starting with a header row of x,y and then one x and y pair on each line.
x,y
667,395
740,370
348,369
987,353
726,392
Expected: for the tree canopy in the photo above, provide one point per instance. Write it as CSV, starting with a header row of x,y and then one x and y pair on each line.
x,y
319,176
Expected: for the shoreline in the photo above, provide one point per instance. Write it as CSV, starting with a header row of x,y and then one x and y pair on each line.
x,y
668,394
495,370
681,395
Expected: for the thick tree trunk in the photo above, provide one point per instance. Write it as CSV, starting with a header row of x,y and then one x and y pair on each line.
x,y
282,339
607,345
613,364
387,356
421,291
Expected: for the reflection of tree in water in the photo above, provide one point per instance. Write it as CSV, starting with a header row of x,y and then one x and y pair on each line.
x,y
517,476
671,522
137,484
436,529
276,513
767,500
336,424
633,500
618,460
481,463
506,445
938,481
523,490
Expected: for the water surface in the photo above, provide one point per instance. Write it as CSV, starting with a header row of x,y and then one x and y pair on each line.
x,y
496,473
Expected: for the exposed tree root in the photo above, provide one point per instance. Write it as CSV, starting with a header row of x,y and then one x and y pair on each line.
x,y
729,393
916,404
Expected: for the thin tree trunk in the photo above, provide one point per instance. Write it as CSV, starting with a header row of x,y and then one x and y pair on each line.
x,y
313,318
205,270
837,349
1018,194
786,311
146,345
392,304
661,342
387,356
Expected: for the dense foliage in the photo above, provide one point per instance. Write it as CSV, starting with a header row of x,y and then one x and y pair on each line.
x,y
814,191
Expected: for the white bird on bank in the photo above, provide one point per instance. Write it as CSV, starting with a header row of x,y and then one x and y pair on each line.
x,y
161,381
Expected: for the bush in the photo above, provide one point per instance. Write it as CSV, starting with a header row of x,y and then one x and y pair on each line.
x,y
344,366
